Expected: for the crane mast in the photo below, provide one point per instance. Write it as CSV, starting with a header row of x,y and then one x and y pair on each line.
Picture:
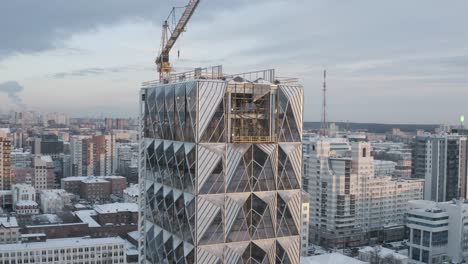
x,y
167,42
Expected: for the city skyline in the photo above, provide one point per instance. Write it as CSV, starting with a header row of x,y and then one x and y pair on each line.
x,y
89,59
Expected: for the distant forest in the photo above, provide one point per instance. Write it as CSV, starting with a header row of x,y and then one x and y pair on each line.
x,y
373,127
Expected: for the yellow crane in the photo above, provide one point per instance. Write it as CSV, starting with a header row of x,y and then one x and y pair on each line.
x,y
167,42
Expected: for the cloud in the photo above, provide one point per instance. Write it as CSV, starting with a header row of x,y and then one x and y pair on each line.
x,y
99,71
32,26
12,89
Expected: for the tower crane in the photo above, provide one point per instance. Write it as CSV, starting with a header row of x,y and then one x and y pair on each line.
x,y
167,42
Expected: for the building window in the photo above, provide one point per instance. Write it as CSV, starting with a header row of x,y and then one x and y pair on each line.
x,y
416,237
439,238
426,238
415,252
425,256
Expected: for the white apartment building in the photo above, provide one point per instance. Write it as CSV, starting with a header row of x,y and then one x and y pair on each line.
x,y
66,251
20,158
77,157
44,177
438,232
54,201
9,230
349,204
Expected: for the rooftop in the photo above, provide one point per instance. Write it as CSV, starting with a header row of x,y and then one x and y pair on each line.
x,y
62,243
332,258
383,252
86,217
8,222
26,203
116,207
132,190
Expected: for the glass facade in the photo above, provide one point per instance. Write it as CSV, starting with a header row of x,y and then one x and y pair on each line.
x,y
220,172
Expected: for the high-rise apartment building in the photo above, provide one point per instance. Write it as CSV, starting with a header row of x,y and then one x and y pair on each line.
x,y
44,176
349,204
92,155
442,161
5,161
221,170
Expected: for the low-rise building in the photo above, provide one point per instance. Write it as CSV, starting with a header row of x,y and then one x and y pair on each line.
x,y
66,250
27,208
331,258
95,188
9,230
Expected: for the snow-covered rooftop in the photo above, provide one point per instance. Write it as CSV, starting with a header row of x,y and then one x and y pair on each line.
x,y
132,191
93,180
62,243
46,158
332,258
85,217
26,203
383,252
116,207
8,222
135,235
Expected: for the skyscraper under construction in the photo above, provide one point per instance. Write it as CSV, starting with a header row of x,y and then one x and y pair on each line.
x,y
220,168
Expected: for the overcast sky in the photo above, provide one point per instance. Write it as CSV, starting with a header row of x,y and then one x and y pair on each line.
x,y
393,61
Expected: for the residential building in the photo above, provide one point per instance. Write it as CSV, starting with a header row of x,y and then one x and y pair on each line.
x,y
384,168
350,205
26,208
9,230
442,161
21,159
66,250
305,214
5,162
44,176
78,155
403,168
23,192
438,232
221,170
93,155
95,187
53,119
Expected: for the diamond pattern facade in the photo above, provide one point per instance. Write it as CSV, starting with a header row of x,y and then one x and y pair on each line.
x,y
220,173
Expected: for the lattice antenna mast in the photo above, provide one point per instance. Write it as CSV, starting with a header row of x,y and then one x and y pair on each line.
x,y
324,124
